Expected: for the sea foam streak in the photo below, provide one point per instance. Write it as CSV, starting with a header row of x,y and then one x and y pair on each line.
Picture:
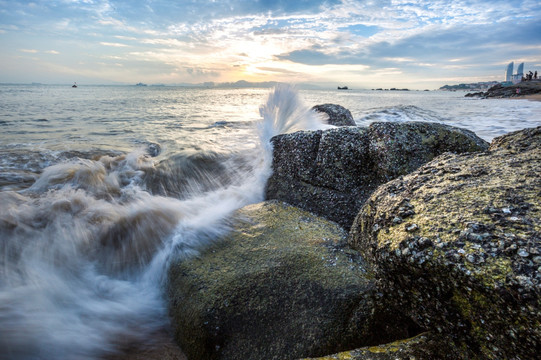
x,y
84,250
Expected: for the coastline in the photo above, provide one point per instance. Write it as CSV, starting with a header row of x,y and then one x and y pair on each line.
x,y
531,97
529,90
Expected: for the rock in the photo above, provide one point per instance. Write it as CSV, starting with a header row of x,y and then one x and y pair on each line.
x,y
469,271
338,115
153,149
401,349
331,173
475,94
501,91
282,285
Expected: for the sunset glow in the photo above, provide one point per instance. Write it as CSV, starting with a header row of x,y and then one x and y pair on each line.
x,y
361,43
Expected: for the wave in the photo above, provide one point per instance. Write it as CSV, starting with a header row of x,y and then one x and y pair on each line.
x,y
85,248
401,113
285,112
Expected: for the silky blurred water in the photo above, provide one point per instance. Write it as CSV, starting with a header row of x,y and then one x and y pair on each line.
x,y
102,186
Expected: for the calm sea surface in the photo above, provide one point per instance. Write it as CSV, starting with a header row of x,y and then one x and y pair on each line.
x,y
101,186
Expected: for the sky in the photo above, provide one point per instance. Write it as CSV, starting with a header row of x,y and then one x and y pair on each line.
x,y
361,44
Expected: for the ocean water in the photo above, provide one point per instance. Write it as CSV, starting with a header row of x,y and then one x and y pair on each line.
x,y
101,187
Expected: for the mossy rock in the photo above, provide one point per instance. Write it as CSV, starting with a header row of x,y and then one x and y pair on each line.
x,y
457,245
281,285
331,173
397,350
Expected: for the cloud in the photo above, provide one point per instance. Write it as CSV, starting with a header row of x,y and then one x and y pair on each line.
x,y
276,70
113,44
30,51
306,39
436,44
272,31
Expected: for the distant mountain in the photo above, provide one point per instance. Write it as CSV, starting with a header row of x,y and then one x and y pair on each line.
x,y
245,84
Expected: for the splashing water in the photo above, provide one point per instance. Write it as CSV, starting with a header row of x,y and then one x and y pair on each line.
x,y
284,112
84,250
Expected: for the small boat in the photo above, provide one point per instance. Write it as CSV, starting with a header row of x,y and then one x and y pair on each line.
x,y
343,88
74,85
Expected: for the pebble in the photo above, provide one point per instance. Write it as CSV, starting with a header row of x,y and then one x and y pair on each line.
x,y
412,227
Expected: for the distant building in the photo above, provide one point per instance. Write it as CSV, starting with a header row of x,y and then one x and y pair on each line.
x,y
514,78
520,70
509,71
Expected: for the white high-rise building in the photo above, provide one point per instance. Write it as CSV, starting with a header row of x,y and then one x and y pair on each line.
x,y
514,78
520,71
509,71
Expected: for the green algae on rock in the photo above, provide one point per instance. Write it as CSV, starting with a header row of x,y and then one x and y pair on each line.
x,y
331,173
281,285
401,349
457,245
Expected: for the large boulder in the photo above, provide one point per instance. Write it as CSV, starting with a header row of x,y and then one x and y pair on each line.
x,y
333,172
282,285
338,115
457,246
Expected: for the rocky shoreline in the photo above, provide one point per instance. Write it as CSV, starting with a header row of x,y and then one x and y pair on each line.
x,y
519,90
396,241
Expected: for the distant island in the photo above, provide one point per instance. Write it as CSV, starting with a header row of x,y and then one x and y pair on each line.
x,y
479,86
391,89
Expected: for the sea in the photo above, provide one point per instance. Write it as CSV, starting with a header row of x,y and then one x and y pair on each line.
x,y
102,187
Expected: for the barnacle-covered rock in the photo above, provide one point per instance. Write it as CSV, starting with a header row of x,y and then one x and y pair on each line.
x,y
465,258
333,172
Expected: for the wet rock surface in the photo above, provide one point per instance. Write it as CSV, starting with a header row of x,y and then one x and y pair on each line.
x,y
282,285
338,115
332,172
457,245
